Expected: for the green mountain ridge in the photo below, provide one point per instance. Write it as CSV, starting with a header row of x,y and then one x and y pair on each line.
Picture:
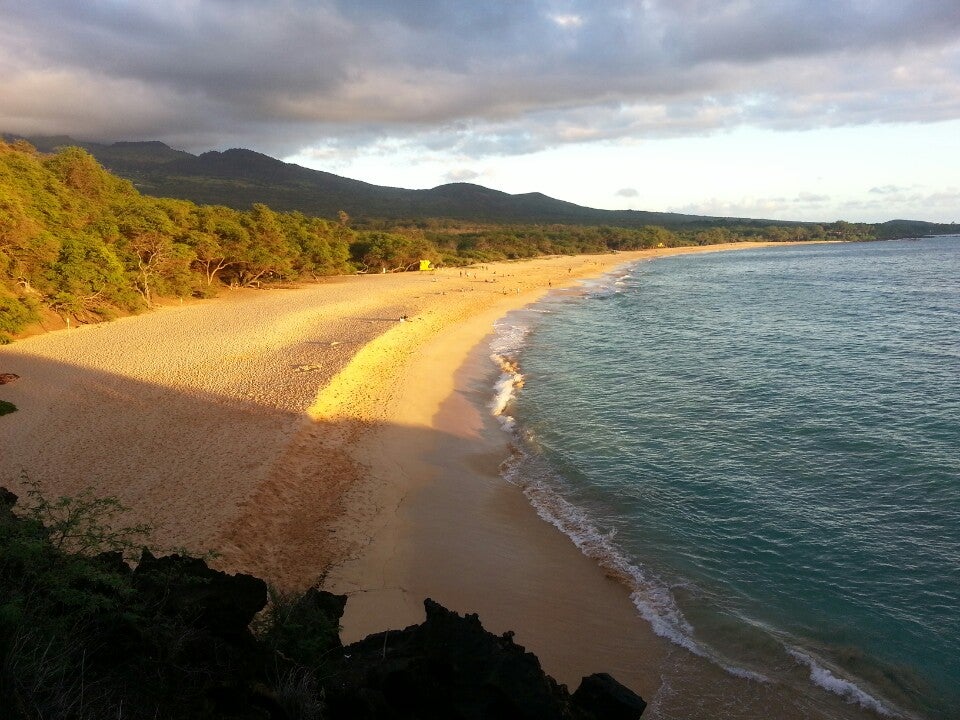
x,y
238,178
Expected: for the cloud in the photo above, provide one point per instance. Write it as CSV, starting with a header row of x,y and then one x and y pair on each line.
x,y
806,205
627,193
887,190
568,20
462,175
917,203
890,203
484,78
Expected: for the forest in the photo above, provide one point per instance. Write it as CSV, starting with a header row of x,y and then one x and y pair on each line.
x,y
83,243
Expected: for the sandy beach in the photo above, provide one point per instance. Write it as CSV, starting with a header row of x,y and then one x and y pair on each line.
x,y
307,435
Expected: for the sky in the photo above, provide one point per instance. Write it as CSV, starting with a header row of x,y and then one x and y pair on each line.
x,y
786,109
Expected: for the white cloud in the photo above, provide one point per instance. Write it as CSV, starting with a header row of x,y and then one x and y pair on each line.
x,y
567,20
461,175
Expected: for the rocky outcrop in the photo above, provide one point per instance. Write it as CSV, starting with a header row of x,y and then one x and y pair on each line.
x,y
171,638
450,667
206,599
603,697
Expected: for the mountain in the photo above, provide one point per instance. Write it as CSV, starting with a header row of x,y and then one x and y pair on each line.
x,y
238,178
893,229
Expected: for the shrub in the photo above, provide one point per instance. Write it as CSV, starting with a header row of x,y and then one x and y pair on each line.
x,y
16,313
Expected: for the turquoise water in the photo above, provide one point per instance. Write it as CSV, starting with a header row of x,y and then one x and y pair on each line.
x,y
765,446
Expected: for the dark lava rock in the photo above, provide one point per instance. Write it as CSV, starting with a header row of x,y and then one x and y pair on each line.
x,y
604,697
450,667
7,498
318,608
205,598
171,639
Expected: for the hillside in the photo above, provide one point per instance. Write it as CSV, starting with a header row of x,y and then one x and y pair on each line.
x,y
238,178
85,243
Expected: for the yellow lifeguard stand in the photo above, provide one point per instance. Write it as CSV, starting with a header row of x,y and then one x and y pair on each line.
x,y
425,265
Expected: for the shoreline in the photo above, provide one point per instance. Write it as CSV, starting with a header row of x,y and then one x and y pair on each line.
x,y
311,437
454,530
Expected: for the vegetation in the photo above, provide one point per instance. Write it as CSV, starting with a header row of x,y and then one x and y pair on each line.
x,y
6,407
82,636
458,243
86,244
52,602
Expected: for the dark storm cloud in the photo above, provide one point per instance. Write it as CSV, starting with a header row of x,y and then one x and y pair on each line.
x,y
500,76
743,32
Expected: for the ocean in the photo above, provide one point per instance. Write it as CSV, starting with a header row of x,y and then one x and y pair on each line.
x,y
764,446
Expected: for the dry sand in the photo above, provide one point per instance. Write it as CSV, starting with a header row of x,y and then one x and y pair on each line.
x,y
307,435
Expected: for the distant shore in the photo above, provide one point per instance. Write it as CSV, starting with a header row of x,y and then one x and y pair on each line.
x,y
310,435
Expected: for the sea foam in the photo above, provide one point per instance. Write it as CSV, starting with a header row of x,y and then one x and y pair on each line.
x,y
504,348
822,677
650,595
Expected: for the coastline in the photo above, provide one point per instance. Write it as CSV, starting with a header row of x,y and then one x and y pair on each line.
x,y
452,529
310,436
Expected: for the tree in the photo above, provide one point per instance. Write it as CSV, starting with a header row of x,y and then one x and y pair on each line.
x,y
154,259
87,278
323,246
267,253
154,252
218,240
388,252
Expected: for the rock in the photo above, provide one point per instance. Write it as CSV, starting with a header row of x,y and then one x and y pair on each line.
x,y
205,598
319,607
173,635
112,562
8,378
7,501
308,632
7,498
603,697
450,667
